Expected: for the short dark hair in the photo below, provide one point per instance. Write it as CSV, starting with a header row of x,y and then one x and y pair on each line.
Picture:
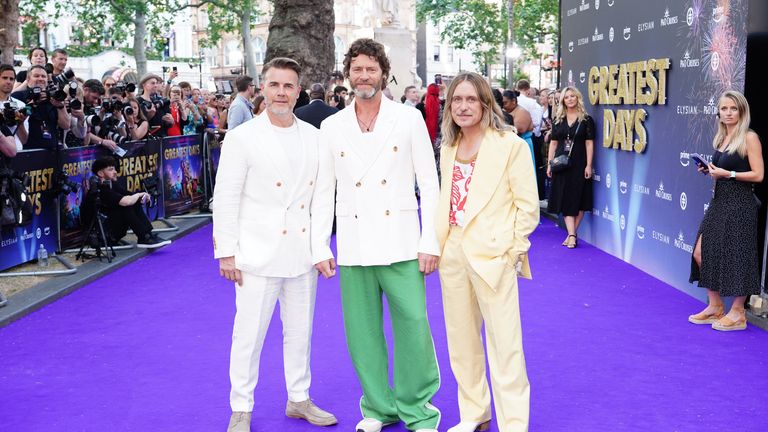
x,y
339,89
282,63
185,84
242,82
7,67
510,94
33,67
316,91
369,47
59,51
94,85
103,162
523,84
32,51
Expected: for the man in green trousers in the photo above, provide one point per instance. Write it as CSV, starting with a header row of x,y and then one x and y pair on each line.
x,y
373,152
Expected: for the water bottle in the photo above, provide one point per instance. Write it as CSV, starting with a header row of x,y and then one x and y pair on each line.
x,y
42,256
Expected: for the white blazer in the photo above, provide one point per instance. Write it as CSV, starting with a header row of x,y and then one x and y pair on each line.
x,y
377,215
260,208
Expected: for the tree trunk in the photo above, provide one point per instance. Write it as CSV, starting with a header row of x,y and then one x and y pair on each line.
x,y
510,43
303,31
9,29
139,48
245,32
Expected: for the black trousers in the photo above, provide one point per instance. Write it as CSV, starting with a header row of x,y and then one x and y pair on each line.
x,y
133,217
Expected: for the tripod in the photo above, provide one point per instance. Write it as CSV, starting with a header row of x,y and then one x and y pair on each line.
x,y
96,229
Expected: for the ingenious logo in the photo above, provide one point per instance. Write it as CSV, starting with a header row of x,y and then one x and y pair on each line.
x,y
714,62
570,46
608,180
622,222
689,17
610,34
683,201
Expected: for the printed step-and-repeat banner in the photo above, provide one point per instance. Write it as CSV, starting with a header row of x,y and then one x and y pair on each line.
x,y
651,73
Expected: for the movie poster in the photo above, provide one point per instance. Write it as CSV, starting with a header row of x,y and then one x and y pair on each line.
x,y
19,245
182,174
76,165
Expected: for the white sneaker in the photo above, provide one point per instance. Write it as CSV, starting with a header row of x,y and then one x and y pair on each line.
x,y
471,426
371,425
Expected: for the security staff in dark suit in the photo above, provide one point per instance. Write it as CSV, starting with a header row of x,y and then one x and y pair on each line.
x,y
317,110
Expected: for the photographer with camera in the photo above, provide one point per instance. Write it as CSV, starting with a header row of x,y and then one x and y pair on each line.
x,y
48,114
156,108
135,123
14,113
122,209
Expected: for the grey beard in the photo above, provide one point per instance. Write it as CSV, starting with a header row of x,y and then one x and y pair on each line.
x,y
367,95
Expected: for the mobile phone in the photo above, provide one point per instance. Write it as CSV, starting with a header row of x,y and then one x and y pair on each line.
x,y
175,69
438,79
699,161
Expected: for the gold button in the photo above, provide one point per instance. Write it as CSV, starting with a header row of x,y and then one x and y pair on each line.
x,y
342,154
358,184
285,231
394,148
303,230
279,184
302,206
386,212
384,181
311,182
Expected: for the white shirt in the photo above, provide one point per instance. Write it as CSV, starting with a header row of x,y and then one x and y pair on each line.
x,y
535,109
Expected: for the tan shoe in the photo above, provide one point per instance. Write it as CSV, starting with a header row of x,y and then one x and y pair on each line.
x,y
471,427
727,324
707,318
239,422
310,412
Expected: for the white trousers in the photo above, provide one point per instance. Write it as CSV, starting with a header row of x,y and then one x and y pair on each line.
x,y
255,301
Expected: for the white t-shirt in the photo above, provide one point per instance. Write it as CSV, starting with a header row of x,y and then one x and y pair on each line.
x,y
289,140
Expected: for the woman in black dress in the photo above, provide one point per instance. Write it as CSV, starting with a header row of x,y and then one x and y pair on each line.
x,y
725,258
571,193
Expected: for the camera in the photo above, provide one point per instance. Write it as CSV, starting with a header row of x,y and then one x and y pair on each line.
x,y
125,87
151,186
336,98
109,129
63,78
160,102
128,110
75,105
59,89
63,185
35,94
112,105
92,121
96,183
12,116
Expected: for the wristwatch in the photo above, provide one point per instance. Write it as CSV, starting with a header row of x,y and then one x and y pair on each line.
x,y
733,174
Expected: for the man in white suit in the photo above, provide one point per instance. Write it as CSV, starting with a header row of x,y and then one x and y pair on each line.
x,y
373,152
265,189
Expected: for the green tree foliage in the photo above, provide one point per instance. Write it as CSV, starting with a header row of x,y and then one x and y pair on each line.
x,y
473,25
482,27
232,16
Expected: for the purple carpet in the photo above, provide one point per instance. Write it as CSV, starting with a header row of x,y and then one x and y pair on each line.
x,y
146,349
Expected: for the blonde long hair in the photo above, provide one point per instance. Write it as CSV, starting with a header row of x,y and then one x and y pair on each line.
x,y
492,116
561,108
739,140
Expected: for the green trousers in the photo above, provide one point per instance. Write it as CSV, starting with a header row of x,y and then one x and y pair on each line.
x,y
416,374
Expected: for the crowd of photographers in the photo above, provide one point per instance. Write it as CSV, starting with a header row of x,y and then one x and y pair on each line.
x,y
47,106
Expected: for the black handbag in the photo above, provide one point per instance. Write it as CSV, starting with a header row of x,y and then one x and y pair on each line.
x,y
563,162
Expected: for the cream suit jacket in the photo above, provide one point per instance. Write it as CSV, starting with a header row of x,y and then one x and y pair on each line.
x,y
261,205
502,207
377,214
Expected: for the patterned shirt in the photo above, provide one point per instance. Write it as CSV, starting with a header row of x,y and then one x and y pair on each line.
x,y
462,176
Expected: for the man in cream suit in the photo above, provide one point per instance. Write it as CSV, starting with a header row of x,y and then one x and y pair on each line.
x,y
265,190
373,152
